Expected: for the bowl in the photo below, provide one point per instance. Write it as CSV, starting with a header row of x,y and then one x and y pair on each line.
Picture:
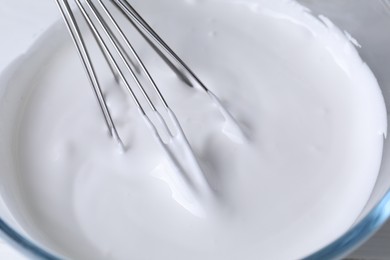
x,y
367,21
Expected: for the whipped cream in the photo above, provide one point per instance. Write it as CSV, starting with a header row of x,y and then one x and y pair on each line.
x,y
311,111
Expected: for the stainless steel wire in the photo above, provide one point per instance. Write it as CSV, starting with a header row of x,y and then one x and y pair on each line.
x,y
120,53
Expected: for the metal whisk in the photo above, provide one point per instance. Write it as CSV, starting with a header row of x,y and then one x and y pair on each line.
x,y
100,19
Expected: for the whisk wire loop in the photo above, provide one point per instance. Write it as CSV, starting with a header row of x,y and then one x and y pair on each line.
x,y
120,54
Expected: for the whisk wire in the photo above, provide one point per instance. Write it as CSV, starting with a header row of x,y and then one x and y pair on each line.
x,y
79,42
134,52
134,16
112,59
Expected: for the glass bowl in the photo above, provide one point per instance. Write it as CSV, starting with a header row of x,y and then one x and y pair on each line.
x,y
368,21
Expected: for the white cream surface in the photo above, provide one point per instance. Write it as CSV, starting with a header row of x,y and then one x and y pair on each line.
x,y
311,110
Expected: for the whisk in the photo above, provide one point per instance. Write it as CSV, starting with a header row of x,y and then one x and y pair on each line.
x,y
106,30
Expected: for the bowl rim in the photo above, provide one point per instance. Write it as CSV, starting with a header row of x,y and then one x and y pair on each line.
x,y
359,233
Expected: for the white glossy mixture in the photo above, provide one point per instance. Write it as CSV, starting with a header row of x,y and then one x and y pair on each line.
x,y
311,110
